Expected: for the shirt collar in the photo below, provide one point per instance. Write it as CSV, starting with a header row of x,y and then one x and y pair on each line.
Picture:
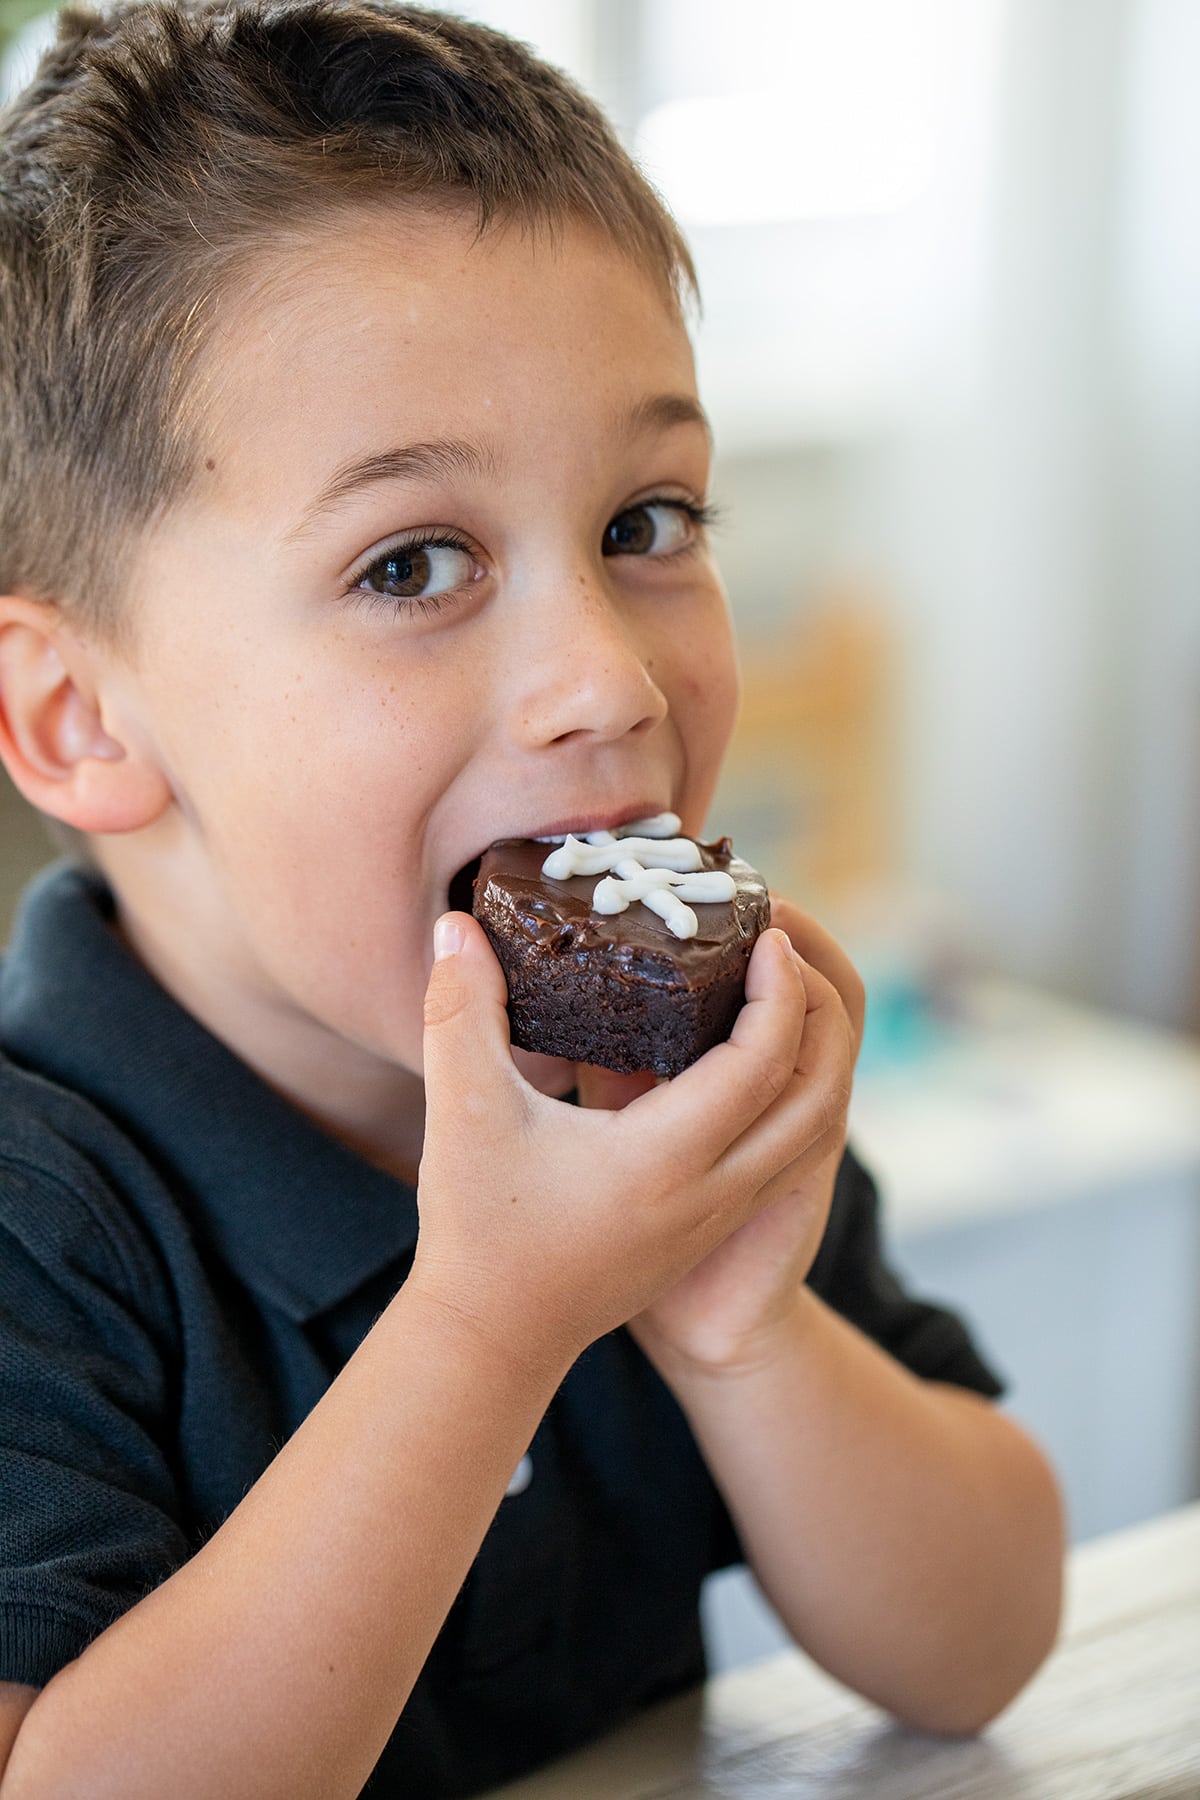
x,y
303,1220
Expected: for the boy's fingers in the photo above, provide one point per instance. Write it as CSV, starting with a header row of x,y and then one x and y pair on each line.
x,y
810,1113
704,1110
466,1042
823,952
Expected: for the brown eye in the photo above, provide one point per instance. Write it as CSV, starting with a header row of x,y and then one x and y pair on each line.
x,y
417,571
655,528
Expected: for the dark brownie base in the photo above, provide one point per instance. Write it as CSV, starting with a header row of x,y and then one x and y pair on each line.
x,y
620,990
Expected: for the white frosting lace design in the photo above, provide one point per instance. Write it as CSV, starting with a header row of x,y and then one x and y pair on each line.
x,y
644,860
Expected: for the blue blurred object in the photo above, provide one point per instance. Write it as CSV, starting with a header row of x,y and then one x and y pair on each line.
x,y
903,1023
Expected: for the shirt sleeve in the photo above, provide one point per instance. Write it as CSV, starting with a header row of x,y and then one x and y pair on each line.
x,y
89,1515
851,1274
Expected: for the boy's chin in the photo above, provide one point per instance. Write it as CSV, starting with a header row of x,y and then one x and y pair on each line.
x,y
552,1075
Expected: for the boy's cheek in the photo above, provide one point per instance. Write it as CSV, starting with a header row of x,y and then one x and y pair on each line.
x,y
712,680
708,708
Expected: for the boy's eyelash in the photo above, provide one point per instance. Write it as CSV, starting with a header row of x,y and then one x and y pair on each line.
x,y
415,540
701,512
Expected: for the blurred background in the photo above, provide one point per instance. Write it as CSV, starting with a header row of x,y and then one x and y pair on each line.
x,y
950,260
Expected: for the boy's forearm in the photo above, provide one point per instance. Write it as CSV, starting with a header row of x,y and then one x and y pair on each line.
x,y
277,1660
908,1533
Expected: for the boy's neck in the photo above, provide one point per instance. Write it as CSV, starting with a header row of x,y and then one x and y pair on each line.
x,y
374,1107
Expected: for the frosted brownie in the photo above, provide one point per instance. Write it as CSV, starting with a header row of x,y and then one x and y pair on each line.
x,y
613,960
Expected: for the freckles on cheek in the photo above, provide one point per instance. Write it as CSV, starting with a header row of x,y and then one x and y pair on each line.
x,y
707,713
713,692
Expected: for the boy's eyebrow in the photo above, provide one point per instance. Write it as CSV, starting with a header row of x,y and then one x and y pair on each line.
x,y
450,456
406,462
660,411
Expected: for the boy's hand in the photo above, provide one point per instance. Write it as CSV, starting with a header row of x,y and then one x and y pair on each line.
x,y
544,1226
725,1313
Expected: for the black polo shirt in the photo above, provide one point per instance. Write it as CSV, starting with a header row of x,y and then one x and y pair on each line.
x,y
185,1264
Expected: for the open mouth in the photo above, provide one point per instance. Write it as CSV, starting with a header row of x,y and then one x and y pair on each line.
x,y
462,887
461,894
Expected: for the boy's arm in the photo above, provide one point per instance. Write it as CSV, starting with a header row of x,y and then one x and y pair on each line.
x,y
909,1534
15,1701
277,1660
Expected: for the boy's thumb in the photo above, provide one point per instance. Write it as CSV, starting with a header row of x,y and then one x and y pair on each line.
x,y
466,1021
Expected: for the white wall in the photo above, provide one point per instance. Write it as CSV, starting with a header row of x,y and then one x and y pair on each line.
x,y
1048,542
1004,441
1160,300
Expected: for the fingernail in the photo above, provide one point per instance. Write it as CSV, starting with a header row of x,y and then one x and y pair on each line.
x,y
447,937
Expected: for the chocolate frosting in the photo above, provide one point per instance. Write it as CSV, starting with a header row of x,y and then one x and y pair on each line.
x,y
557,916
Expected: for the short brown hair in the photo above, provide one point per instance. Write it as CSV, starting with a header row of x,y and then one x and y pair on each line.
x,y
162,145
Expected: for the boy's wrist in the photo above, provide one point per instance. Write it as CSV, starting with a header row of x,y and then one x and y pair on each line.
x,y
530,1360
732,1361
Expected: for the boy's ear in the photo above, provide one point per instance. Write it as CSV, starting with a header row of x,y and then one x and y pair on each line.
x,y
67,750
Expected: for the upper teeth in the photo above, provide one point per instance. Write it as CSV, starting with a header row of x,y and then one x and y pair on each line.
x,y
662,825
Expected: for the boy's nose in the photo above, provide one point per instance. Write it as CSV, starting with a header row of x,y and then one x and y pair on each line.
x,y
584,673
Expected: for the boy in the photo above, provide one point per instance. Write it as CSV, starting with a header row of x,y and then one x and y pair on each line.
x,y
353,484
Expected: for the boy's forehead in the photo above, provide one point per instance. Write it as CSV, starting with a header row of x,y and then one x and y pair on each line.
x,y
414,328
